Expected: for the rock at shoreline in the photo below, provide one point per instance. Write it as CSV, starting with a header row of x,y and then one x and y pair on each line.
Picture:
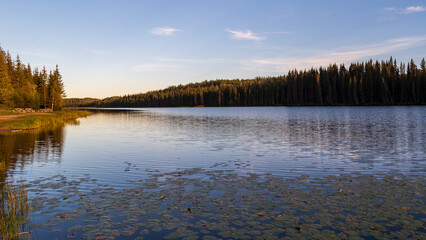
x,y
30,110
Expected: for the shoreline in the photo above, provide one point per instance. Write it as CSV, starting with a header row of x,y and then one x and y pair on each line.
x,y
10,130
16,122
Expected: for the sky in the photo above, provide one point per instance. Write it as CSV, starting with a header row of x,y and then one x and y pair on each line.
x,y
113,48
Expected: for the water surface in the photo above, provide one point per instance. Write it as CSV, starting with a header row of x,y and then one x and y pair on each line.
x,y
115,146
190,173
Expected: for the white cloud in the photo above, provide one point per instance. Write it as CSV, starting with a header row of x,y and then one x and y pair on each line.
x,y
164,31
97,51
279,32
166,64
414,9
179,60
192,60
338,55
244,35
157,67
39,53
407,10
390,9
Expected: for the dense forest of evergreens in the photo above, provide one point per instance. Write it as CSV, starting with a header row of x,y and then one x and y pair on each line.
x,y
21,87
365,83
75,102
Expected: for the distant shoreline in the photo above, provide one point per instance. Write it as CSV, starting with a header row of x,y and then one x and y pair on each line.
x,y
381,83
369,105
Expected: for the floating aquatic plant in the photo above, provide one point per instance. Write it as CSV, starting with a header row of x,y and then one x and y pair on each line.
x,y
211,204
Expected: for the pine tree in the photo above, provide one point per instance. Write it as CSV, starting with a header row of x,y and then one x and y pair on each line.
x,y
43,92
18,72
6,89
55,90
29,89
40,79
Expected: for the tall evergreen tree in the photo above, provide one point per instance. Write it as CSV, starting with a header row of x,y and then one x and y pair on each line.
x,y
43,87
6,89
55,90
21,87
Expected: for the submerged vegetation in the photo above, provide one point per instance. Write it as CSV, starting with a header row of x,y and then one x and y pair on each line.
x,y
365,83
14,209
222,204
33,121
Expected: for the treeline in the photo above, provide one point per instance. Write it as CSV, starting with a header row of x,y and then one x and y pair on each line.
x,y
70,102
22,87
365,83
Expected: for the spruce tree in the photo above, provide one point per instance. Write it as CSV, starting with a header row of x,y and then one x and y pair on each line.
x,y
55,90
6,89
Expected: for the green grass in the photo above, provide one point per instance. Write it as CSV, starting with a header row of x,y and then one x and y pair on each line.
x,y
27,121
14,209
2,165
6,111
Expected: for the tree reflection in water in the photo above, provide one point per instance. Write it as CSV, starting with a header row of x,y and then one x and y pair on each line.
x,y
26,147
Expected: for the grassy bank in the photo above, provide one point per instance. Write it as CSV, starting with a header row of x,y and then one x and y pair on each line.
x,y
12,121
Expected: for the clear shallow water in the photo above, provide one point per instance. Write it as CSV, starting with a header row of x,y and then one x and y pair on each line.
x,y
115,146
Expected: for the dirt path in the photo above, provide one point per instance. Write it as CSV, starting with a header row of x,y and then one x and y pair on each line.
x,y
6,117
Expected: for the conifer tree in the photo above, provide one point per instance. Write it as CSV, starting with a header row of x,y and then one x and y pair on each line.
x,y
6,89
55,90
22,88
43,90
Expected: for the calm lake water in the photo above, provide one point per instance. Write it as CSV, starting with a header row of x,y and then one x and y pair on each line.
x,y
224,172
115,146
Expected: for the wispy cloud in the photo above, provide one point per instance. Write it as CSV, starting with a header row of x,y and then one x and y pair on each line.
x,y
244,35
338,55
170,64
39,53
157,67
407,10
97,51
193,60
167,64
414,9
178,60
279,32
389,9
164,31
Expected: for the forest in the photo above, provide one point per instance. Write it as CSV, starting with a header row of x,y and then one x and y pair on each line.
x,y
362,83
21,87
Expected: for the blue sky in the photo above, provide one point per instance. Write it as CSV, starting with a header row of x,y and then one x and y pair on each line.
x,y
108,48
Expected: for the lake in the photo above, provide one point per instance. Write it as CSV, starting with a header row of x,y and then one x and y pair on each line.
x,y
118,148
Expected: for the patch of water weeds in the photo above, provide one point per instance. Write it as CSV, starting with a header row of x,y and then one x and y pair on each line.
x,y
210,204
